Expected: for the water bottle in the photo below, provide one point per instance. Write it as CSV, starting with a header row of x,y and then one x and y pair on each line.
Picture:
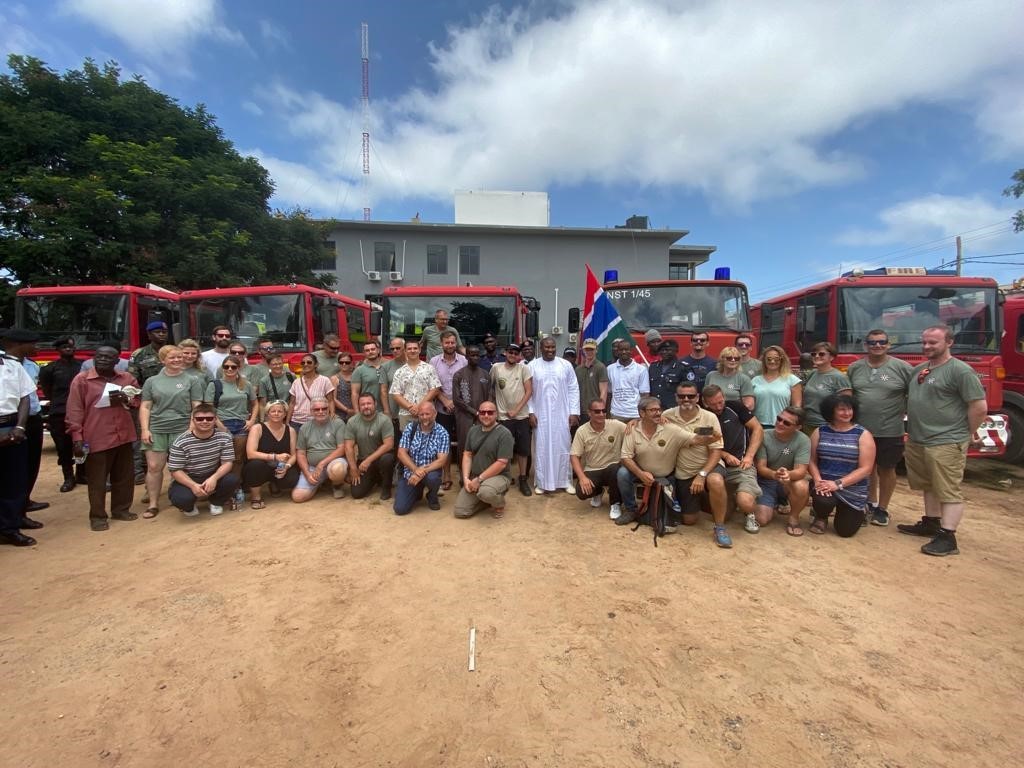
x,y
85,452
281,466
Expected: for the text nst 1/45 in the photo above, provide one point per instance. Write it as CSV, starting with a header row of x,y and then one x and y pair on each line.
x,y
628,293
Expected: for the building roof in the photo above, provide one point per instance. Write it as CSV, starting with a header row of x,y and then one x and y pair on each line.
x,y
671,235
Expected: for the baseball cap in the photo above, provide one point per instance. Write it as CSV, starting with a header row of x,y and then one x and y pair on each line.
x,y
590,344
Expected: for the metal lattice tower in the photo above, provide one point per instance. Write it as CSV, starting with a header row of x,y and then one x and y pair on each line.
x,y
366,120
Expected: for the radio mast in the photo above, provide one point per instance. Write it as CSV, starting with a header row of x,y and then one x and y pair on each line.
x,y
366,120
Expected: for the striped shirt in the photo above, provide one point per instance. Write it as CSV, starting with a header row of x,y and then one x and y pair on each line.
x,y
200,458
838,455
423,447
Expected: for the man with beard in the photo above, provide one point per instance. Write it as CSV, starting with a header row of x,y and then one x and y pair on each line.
x,y
99,414
490,356
431,339
554,409
447,364
485,461
368,377
256,373
595,455
212,358
512,384
667,373
369,446
700,362
55,381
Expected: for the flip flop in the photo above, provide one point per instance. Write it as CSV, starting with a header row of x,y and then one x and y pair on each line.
x,y
794,529
258,504
497,514
819,526
150,513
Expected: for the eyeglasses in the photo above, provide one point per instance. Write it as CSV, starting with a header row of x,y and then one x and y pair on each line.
x,y
598,410
731,359
743,344
698,341
486,412
204,418
333,349
923,375
344,362
230,367
687,397
819,354
877,342
655,409
317,410
222,335
780,420
266,349
309,362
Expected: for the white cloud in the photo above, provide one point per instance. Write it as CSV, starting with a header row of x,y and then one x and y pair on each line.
x,y
296,184
158,29
735,100
931,218
252,108
274,35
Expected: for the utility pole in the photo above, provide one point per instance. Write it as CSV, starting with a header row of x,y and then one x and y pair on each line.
x,y
366,120
959,256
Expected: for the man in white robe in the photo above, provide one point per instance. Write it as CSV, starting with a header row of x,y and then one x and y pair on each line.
x,y
554,409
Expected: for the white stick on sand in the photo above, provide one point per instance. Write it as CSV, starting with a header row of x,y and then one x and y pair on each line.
x,y
472,649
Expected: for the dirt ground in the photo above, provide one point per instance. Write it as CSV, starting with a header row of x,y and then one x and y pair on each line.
x,y
336,634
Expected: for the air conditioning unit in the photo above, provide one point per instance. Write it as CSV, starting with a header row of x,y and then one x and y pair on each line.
x,y
396,277
556,330
373,276
573,337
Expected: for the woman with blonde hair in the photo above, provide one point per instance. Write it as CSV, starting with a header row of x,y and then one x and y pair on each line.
x,y
735,384
270,449
194,365
165,413
776,387
235,402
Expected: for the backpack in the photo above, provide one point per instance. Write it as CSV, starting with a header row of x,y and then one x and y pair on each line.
x,y
653,507
218,390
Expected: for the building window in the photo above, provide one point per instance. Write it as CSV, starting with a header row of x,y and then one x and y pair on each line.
x,y
437,259
384,257
678,271
469,259
329,261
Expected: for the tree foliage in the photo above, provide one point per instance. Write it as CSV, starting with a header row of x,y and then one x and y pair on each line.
x,y
1016,190
110,181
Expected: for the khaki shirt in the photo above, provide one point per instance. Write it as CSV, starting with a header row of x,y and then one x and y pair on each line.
x,y
692,459
656,454
597,450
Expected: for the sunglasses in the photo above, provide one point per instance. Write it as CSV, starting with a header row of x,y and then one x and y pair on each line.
x,y
653,410
698,341
230,367
220,335
731,359
780,420
486,412
204,418
598,410
318,410
923,375
334,349
266,349
877,342
819,354
309,362
743,344
344,362
686,397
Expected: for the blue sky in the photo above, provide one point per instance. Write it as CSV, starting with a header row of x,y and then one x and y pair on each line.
x,y
800,138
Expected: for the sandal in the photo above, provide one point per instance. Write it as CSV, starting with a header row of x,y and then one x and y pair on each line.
x,y
498,512
124,516
794,529
150,513
819,526
257,504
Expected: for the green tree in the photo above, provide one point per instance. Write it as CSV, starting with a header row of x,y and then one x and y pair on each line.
x,y
1016,190
110,181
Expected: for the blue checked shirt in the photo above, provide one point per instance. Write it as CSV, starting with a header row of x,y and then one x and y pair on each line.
x,y
423,447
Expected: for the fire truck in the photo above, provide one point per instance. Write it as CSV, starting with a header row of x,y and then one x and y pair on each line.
x,y
92,314
294,317
902,301
1013,358
473,310
678,308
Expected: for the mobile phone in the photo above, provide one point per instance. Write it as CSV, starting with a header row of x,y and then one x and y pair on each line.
x,y
705,430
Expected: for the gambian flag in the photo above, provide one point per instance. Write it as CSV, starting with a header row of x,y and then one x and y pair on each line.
x,y
601,320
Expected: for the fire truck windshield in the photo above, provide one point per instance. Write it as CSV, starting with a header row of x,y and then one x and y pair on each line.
x,y
472,316
682,307
90,318
279,317
904,311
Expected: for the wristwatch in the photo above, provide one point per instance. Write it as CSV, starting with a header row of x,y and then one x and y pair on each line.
x,y
839,484
703,473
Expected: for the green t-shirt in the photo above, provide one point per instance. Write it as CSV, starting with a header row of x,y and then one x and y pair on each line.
x,y
432,340
781,454
198,373
368,435
590,380
488,447
817,387
276,387
734,387
881,395
752,367
234,402
254,374
320,440
369,380
389,369
937,406
327,363
172,398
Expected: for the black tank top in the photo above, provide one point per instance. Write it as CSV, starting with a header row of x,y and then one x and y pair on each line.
x,y
270,444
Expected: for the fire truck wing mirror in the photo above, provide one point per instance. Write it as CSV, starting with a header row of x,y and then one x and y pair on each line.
x,y
805,320
376,317
574,320
532,325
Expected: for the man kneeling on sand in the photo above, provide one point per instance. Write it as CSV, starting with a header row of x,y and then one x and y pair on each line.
x,y
485,460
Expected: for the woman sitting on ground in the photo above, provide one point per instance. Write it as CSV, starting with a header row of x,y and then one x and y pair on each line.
x,y
270,449
734,383
842,455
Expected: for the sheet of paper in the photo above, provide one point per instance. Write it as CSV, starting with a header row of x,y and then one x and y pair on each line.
x,y
104,401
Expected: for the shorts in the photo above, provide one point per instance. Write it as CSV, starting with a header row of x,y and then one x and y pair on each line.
x,y
888,451
521,435
937,469
691,502
741,480
235,426
304,484
162,441
771,492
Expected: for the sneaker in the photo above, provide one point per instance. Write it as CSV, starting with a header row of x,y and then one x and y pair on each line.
x,y
943,544
216,509
570,489
191,512
616,511
626,517
722,538
339,491
751,526
879,516
538,491
524,487
926,526
434,505
671,529
595,501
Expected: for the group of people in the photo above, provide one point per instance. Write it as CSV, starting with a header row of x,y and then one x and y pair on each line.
x,y
708,433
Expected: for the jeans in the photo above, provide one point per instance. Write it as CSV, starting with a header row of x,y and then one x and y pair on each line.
x,y
407,495
185,500
627,487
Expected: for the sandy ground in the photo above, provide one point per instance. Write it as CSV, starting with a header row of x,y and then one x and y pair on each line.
x,y
335,634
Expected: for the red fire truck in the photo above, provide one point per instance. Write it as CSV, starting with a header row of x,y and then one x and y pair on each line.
x,y
902,301
677,308
93,313
473,310
295,317
1013,358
